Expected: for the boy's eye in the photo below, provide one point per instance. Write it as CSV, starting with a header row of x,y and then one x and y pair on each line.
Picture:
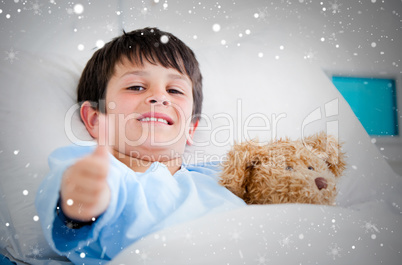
x,y
136,88
174,91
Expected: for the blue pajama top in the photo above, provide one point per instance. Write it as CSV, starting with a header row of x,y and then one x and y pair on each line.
x,y
141,203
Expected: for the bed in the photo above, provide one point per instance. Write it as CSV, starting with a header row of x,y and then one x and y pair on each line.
x,y
247,95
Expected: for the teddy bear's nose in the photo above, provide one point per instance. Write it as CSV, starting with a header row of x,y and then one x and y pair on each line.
x,y
321,183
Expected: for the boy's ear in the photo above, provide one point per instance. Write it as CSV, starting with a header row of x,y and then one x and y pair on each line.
x,y
90,117
191,132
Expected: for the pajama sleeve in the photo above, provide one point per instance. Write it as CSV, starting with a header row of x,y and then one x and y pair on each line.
x,y
60,237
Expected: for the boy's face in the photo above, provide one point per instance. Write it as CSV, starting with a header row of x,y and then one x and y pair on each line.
x,y
151,106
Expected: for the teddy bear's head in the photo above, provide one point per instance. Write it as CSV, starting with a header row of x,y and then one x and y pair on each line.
x,y
285,171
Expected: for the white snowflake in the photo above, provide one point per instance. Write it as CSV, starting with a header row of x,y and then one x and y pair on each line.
x,y
188,237
335,6
144,11
110,27
370,228
334,251
11,55
262,259
285,241
36,251
310,55
143,256
393,204
35,7
335,228
332,37
139,12
103,252
235,236
262,14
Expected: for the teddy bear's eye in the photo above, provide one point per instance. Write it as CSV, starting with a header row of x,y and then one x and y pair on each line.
x,y
289,168
310,168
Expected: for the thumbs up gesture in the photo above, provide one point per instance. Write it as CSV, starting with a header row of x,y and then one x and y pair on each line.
x,y
85,193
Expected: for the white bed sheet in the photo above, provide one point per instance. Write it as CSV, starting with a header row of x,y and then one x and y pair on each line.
x,y
274,234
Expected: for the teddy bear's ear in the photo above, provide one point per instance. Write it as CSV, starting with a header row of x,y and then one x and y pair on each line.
x,y
238,167
327,148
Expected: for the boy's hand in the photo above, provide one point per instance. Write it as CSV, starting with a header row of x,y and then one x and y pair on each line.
x,y
85,193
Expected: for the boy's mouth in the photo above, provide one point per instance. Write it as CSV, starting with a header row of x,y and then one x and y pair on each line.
x,y
155,117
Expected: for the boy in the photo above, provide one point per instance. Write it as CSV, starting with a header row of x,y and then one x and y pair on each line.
x,y
140,97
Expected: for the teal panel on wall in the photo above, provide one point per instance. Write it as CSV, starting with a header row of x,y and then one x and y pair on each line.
x,y
373,100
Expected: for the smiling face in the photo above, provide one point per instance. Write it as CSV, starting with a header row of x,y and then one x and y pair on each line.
x,y
150,107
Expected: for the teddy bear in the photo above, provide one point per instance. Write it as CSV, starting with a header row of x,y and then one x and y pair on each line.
x,y
285,171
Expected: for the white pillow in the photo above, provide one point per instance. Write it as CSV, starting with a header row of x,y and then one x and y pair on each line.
x,y
37,91
38,96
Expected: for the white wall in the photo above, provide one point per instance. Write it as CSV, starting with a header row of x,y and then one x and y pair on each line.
x,y
358,38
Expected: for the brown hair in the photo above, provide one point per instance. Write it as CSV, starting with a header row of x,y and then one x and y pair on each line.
x,y
151,44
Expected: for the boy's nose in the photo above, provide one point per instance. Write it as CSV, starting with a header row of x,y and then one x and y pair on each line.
x,y
163,102
158,99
